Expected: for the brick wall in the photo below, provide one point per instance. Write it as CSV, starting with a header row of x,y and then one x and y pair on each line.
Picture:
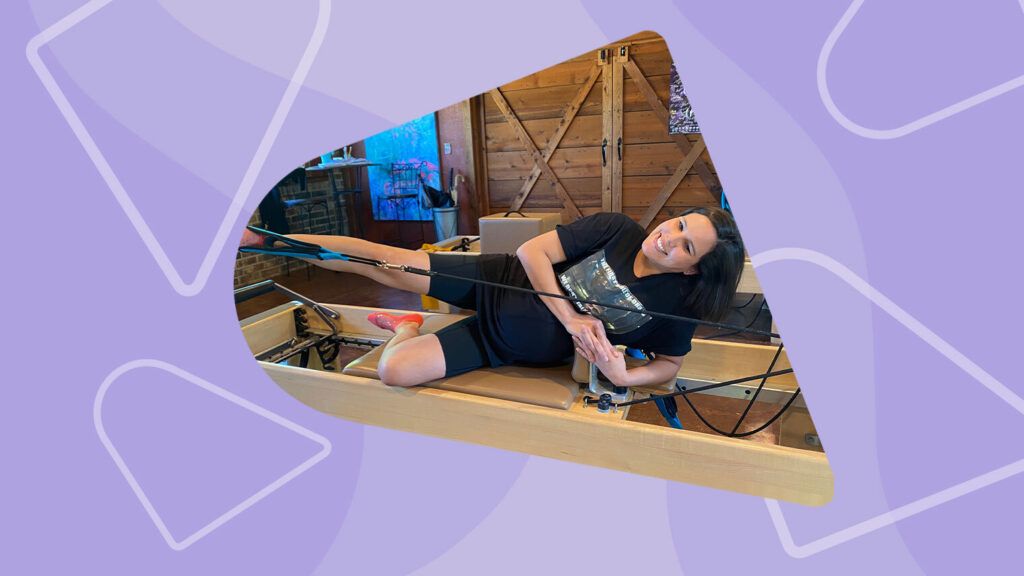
x,y
250,268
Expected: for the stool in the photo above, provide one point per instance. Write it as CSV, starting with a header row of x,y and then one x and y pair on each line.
x,y
307,205
274,211
396,200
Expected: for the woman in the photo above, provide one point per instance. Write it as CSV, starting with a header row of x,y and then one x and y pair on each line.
x,y
687,266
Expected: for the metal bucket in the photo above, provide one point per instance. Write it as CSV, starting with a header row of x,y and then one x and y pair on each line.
x,y
446,222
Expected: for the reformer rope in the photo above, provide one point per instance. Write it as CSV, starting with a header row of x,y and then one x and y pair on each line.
x,y
685,393
435,273
778,352
300,249
767,423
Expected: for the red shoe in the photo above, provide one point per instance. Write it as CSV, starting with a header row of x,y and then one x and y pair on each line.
x,y
390,322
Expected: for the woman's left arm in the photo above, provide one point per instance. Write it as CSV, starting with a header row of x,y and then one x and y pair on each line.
x,y
661,369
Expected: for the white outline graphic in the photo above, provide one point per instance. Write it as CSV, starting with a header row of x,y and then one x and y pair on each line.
x,y
942,347
97,418
248,180
887,518
914,126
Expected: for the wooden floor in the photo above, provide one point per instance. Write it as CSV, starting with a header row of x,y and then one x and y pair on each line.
x,y
332,288
341,288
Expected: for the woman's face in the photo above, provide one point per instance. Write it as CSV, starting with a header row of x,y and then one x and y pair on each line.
x,y
678,244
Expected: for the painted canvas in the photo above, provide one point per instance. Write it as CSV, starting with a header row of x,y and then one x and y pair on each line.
x,y
681,119
405,154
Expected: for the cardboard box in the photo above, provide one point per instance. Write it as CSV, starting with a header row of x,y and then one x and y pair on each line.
x,y
500,234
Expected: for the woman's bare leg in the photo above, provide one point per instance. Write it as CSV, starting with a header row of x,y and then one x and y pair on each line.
x,y
365,249
411,359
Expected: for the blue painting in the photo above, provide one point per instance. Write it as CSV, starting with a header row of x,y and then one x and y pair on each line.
x,y
407,156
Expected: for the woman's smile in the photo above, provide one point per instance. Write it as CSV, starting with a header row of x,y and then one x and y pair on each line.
x,y
677,245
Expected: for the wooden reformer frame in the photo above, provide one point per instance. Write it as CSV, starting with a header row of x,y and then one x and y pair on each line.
x,y
578,433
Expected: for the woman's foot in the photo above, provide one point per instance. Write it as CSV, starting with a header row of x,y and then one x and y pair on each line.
x,y
252,239
392,322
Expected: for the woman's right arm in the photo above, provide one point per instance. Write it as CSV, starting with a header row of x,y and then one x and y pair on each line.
x,y
538,256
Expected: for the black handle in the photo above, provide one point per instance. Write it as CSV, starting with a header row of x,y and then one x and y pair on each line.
x,y
604,144
620,148
253,290
260,288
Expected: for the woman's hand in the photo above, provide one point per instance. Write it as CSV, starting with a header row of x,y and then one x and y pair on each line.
x,y
614,370
589,337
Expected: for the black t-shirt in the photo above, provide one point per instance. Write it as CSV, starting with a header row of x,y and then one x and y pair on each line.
x,y
518,328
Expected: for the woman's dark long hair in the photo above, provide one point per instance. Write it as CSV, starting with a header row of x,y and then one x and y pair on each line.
x,y
719,269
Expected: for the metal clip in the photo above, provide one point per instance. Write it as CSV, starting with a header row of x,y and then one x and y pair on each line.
x,y
389,266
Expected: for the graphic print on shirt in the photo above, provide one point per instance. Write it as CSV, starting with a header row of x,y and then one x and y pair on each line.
x,y
593,279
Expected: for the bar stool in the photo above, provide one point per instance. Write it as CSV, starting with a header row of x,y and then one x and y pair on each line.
x,y
274,211
406,178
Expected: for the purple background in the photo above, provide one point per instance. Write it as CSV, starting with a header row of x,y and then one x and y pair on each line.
x,y
177,99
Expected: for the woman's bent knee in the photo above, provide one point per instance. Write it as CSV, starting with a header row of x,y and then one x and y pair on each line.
x,y
393,370
412,362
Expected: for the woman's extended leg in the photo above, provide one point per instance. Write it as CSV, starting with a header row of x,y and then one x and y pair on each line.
x,y
366,249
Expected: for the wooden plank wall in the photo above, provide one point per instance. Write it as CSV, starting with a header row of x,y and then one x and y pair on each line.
x,y
649,154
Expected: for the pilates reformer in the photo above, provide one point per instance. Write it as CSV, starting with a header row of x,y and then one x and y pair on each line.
x,y
537,410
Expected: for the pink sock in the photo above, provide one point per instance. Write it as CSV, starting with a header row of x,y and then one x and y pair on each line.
x,y
390,321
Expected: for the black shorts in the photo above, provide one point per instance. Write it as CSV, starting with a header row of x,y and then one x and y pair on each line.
x,y
461,342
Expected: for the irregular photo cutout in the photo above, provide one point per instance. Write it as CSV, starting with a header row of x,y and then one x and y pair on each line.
x,y
588,140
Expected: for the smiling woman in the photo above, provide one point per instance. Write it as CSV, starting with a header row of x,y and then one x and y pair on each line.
x,y
688,266
704,242
607,257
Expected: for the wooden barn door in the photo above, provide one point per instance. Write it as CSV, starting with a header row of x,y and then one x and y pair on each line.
x,y
542,136
591,134
656,175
